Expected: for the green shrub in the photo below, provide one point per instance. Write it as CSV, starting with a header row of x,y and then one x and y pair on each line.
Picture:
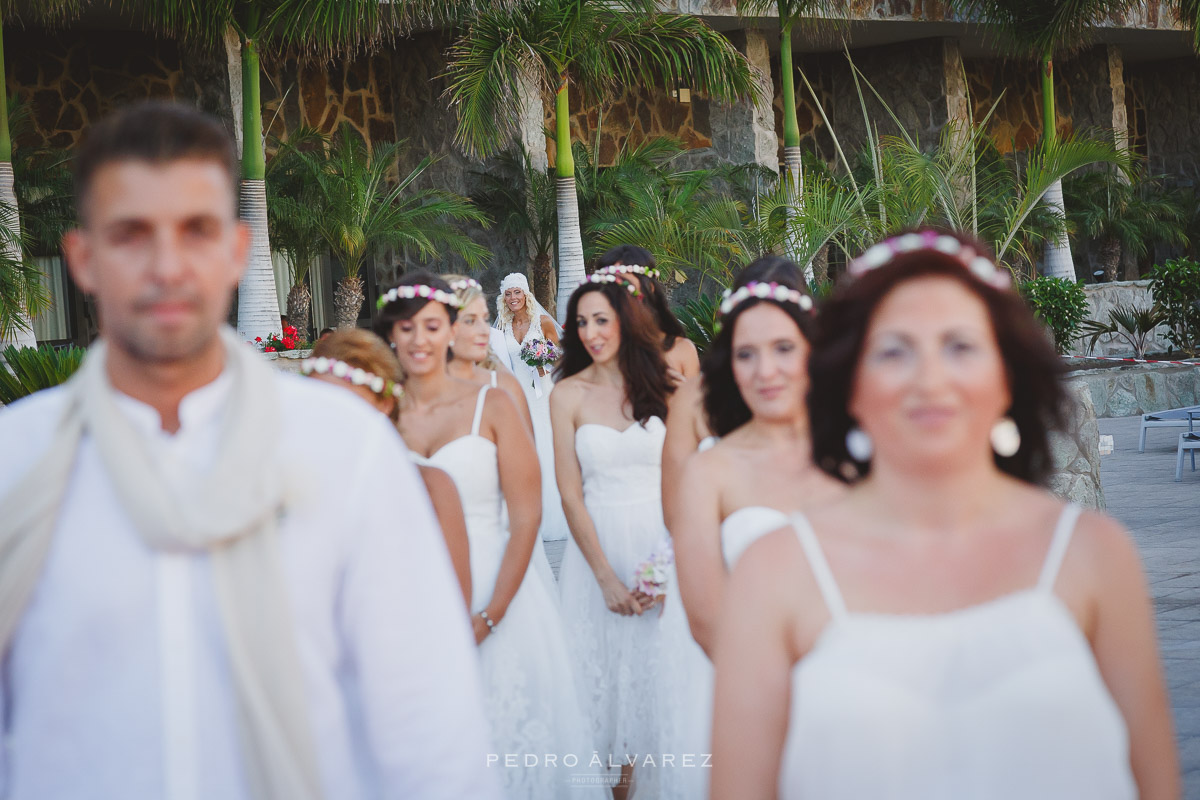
x,y
1175,285
1060,304
30,369
1135,325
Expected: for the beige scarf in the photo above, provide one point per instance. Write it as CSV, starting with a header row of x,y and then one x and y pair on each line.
x,y
230,514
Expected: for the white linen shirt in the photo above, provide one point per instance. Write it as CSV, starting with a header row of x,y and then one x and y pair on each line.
x,y
117,683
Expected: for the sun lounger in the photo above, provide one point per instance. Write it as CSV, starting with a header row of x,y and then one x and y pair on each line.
x,y
1171,418
1187,441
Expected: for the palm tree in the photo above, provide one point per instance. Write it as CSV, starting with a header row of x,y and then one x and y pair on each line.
x,y
21,290
1041,29
521,199
362,212
320,29
294,212
602,46
791,13
1124,214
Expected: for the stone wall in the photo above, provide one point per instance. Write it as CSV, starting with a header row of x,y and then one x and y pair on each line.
x,y
1103,297
1140,389
70,79
1166,110
355,91
1076,452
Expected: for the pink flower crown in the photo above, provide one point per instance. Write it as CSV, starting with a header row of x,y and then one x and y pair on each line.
x,y
415,291
613,277
354,375
888,250
761,291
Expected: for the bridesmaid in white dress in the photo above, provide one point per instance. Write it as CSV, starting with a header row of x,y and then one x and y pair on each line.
x,y
521,318
477,436
755,379
608,409
473,360
938,632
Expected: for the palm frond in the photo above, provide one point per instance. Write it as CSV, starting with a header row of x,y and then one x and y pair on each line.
x,y
1033,28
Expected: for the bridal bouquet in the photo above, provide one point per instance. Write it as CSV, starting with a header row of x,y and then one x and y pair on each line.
x,y
651,575
540,353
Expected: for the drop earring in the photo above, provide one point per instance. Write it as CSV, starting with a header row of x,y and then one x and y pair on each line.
x,y
1006,437
859,445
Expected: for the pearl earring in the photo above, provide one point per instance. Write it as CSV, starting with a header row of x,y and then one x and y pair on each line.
x,y
1006,437
859,445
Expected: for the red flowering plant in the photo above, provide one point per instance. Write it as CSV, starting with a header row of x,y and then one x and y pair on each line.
x,y
278,344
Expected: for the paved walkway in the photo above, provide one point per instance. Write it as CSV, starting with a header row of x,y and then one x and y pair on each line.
x,y
1164,517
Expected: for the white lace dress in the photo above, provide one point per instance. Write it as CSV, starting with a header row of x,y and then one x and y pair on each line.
x,y
530,693
537,394
616,656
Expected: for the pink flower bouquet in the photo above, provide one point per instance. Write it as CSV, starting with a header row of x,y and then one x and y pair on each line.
x,y
540,353
652,575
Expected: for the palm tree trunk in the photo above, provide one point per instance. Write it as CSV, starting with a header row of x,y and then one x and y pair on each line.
x,y
347,301
570,241
22,331
258,303
22,334
299,300
1059,263
794,176
1110,257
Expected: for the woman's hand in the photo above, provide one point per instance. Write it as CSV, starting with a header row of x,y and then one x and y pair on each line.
x,y
618,598
649,601
482,631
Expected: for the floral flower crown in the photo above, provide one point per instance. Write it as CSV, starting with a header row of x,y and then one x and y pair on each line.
x,y
888,250
626,269
414,291
354,375
464,284
613,277
758,290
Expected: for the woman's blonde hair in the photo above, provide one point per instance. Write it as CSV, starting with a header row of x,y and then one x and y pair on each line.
x,y
366,351
466,295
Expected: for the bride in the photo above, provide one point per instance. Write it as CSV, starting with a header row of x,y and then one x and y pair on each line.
x,y
522,319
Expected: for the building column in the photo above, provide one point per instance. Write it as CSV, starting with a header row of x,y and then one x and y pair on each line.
x,y
1116,85
958,101
744,132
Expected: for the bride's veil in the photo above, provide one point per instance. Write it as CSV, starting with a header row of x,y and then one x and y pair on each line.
x,y
504,316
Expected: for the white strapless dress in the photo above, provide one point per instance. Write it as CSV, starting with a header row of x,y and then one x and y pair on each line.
x,y
530,695
995,701
687,688
537,394
616,656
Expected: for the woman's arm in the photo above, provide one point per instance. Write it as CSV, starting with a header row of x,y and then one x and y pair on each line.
x,y
548,330
685,419
683,358
1123,639
521,484
448,507
509,383
564,403
699,563
753,660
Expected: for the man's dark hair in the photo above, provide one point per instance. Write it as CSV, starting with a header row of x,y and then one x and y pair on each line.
x,y
155,132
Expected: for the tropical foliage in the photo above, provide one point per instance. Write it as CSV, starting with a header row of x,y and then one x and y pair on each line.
x,y
525,48
25,370
1124,214
1136,326
1175,286
360,212
1060,304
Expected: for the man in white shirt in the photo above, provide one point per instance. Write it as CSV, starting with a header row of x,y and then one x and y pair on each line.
x,y
180,636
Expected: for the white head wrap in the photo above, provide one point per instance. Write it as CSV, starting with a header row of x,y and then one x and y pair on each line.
x,y
504,316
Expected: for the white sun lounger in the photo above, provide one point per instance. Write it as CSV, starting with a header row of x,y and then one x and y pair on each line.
x,y
1171,418
1187,441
